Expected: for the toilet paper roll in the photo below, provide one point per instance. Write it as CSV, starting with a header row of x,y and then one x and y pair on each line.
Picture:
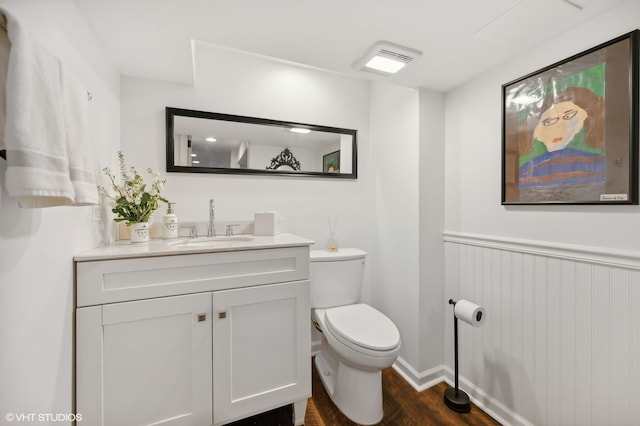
x,y
469,312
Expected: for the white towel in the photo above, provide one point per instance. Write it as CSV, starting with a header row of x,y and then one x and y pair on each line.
x,y
5,47
81,167
48,161
37,165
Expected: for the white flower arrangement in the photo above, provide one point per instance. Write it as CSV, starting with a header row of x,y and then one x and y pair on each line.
x,y
132,202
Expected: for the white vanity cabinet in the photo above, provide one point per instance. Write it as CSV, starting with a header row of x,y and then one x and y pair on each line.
x,y
192,339
260,355
145,362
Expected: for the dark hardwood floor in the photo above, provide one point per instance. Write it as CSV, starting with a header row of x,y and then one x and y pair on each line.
x,y
403,406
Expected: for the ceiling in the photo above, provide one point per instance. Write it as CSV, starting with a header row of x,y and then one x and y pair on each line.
x,y
459,38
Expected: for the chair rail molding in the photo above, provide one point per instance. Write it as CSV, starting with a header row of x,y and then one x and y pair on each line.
x,y
576,252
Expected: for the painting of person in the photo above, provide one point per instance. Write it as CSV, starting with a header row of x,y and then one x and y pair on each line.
x,y
569,131
566,148
331,162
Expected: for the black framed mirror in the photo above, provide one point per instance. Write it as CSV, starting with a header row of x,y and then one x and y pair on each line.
x,y
209,142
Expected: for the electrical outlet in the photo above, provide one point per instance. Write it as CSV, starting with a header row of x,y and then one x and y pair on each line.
x,y
96,213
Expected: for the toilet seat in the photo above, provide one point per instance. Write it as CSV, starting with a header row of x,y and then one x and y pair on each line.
x,y
363,328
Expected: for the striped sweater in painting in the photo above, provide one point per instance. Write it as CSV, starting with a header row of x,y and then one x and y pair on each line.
x,y
563,167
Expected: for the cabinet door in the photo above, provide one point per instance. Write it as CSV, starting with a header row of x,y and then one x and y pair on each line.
x,y
261,350
145,362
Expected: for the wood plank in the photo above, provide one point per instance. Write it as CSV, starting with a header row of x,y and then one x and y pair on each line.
x,y
403,406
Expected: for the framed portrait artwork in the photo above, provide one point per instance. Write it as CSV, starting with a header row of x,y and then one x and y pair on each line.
x,y
570,130
331,162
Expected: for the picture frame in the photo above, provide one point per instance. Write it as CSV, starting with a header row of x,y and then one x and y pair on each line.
x,y
570,130
331,162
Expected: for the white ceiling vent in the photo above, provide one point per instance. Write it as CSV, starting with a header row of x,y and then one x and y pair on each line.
x,y
386,58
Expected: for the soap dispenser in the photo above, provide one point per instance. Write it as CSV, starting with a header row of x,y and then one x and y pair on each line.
x,y
170,223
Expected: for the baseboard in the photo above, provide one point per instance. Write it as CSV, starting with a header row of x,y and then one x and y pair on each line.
x,y
419,381
485,402
426,379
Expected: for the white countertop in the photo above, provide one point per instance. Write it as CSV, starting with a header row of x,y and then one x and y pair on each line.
x,y
171,247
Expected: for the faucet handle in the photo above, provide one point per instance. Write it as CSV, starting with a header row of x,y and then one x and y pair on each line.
x,y
193,230
229,232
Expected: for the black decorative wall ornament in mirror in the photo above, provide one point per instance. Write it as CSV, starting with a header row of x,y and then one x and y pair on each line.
x,y
208,142
285,161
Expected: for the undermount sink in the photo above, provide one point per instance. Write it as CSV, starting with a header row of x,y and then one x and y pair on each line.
x,y
210,241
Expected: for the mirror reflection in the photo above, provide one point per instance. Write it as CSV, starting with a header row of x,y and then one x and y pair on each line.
x,y
207,142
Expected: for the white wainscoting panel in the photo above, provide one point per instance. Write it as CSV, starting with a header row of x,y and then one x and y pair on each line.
x,y
561,341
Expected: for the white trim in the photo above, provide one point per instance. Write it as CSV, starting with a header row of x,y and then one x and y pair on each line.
x,y
419,381
580,253
494,408
429,378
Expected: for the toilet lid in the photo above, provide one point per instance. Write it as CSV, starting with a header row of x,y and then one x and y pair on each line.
x,y
364,326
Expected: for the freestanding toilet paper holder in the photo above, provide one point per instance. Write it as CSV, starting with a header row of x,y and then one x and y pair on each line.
x,y
455,398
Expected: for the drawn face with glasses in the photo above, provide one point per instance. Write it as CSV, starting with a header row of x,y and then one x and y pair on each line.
x,y
559,124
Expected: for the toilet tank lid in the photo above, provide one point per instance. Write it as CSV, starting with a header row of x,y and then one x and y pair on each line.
x,y
342,254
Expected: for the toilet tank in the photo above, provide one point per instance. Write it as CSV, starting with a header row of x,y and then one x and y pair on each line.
x,y
336,277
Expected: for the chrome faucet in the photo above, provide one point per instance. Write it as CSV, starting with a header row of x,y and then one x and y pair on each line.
x,y
211,232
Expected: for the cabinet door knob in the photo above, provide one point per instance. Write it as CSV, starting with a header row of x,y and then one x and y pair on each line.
x,y
222,314
202,317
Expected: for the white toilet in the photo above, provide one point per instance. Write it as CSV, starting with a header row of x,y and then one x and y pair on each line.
x,y
358,341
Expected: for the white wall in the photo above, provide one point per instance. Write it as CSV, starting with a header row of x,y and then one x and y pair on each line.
x,y
472,180
407,135
378,212
233,83
472,188
394,212
37,245
431,218
394,285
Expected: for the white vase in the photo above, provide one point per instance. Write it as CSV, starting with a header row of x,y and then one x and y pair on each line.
x,y
139,232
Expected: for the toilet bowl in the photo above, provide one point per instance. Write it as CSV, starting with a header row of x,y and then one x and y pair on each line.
x,y
358,341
